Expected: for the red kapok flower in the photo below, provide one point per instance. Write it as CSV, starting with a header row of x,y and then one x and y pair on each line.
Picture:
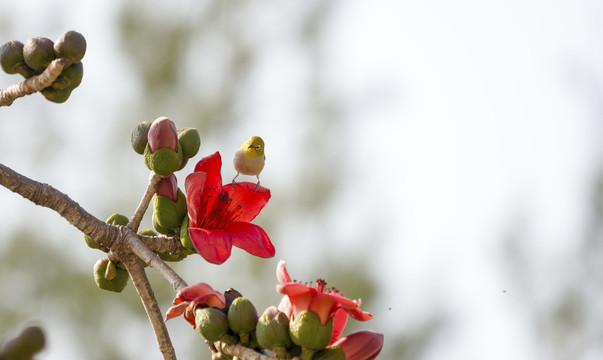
x,y
192,297
361,345
326,303
219,215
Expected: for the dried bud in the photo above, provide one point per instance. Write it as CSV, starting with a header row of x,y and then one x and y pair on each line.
x,y
361,345
190,141
117,284
70,77
211,323
163,134
272,331
38,52
307,331
71,45
139,137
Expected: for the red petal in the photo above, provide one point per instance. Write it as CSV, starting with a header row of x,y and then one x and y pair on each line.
x,y
251,201
281,273
340,318
323,305
194,185
359,315
361,345
175,311
193,292
163,134
214,245
285,306
211,165
250,238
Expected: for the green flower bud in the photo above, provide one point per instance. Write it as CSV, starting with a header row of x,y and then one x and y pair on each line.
x,y
272,331
167,214
110,271
139,137
163,161
329,353
185,238
211,323
242,318
70,77
117,284
93,244
190,141
118,219
38,52
71,45
172,257
307,331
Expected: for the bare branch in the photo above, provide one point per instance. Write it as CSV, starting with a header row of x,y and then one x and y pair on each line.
x,y
243,353
34,83
162,244
47,196
144,202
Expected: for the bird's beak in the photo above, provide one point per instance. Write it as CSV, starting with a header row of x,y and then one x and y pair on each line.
x,y
250,146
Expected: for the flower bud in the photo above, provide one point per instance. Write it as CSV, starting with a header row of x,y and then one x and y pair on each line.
x,y
70,77
167,214
168,186
307,331
272,331
190,141
139,137
118,219
163,134
185,238
117,284
71,45
361,345
242,318
38,52
11,58
163,161
29,342
56,95
211,323
330,353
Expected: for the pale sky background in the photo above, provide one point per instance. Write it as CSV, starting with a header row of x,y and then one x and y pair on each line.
x,y
467,120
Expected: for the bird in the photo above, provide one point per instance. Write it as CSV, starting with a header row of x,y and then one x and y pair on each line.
x,y
249,159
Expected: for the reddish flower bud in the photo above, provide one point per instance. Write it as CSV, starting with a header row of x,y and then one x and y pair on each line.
x,y
163,134
361,345
168,187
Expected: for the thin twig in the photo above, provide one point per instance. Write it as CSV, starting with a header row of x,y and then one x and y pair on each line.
x,y
145,201
34,83
147,296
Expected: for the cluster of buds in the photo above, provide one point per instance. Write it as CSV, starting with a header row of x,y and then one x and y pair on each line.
x,y
165,149
307,324
37,53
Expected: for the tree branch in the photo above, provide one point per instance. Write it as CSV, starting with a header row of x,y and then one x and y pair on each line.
x,y
147,296
244,353
34,83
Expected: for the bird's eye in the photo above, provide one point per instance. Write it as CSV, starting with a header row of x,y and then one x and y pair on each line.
x,y
258,147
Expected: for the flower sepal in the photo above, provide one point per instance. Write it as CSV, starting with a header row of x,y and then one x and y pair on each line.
x,y
168,214
330,353
307,331
272,331
108,276
211,323
242,318
163,161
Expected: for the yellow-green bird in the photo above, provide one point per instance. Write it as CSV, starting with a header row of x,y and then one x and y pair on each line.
x,y
249,159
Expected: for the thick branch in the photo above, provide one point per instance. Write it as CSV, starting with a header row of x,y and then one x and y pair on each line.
x,y
34,83
147,296
47,196
163,244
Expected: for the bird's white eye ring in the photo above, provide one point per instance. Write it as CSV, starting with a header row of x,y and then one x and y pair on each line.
x,y
258,147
